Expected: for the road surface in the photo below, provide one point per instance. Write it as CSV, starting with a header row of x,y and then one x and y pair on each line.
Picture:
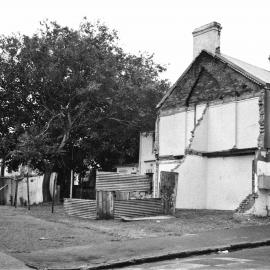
x,y
255,258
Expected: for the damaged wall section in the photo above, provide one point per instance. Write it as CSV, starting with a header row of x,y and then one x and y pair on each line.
x,y
219,181
262,160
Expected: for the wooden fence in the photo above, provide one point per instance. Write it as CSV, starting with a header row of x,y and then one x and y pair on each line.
x,y
105,204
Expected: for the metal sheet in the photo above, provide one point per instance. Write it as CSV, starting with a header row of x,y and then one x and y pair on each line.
x,y
122,182
80,208
137,208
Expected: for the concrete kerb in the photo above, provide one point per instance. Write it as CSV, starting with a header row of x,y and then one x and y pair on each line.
x,y
162,257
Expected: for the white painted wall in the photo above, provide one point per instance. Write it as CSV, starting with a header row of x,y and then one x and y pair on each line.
x,y
229,181
177,128
191,191
200,140
229,125
168,165
190,121
213,183
147,160
199,111
35,186
221,127
222,131
148,167
35,190
247,123
263,200
190,126
147,146
172,134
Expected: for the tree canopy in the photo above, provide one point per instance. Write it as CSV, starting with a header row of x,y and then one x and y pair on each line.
x,y
70,98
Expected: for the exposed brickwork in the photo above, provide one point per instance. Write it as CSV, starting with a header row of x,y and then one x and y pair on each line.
x,y
209,79
247,203
261,121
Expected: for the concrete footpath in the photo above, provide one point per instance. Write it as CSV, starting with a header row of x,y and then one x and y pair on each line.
x,y
121,253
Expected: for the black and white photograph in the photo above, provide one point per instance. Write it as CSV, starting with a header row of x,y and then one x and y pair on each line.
x,y
134,134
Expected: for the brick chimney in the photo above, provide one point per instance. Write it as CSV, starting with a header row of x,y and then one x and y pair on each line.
x,y
207,37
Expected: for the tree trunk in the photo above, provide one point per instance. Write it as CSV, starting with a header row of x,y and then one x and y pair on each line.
x,y
3,167
46,187
46,180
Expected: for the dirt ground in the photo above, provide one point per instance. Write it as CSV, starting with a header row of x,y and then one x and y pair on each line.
x,y
38,229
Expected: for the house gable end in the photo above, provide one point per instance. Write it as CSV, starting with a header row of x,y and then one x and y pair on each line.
x,y
208,79
203,88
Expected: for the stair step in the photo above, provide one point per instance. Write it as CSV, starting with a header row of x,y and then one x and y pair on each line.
x,y
246,203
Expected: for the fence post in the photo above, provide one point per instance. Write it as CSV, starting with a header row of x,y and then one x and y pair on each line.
x,y
28,195
54,184
16,191
71,184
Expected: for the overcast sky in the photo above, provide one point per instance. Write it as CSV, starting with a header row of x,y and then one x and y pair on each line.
x,y
156,26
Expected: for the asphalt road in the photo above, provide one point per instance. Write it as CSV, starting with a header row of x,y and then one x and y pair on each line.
x,y
255,258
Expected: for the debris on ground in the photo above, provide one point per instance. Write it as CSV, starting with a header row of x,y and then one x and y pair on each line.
x,y
223,252
157,218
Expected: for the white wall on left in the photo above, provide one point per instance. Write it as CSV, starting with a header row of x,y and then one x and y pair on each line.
x,y
172,134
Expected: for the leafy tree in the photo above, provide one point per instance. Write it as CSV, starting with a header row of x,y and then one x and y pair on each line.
x,y
138,90
16,109
89,99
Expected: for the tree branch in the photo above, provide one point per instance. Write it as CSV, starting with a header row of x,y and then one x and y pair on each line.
x,y
48,124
